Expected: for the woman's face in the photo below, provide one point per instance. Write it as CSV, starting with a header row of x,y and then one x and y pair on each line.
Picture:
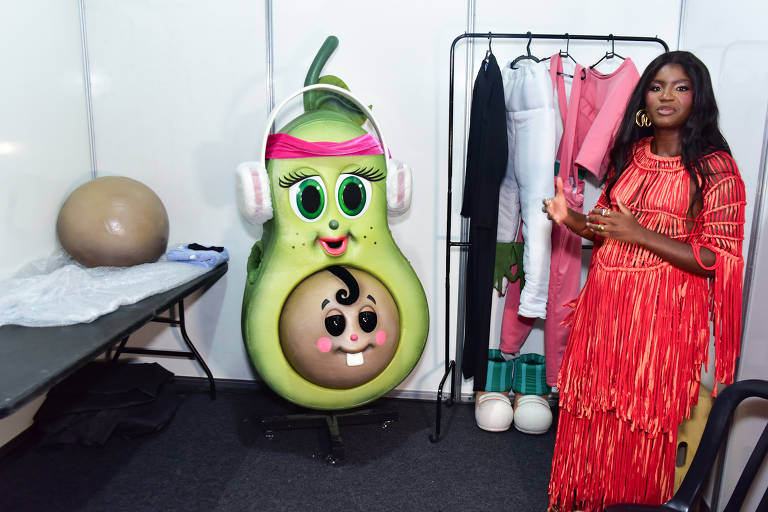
x,y
669,98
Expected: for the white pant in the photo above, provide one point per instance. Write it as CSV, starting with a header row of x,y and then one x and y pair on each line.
x,y
530,176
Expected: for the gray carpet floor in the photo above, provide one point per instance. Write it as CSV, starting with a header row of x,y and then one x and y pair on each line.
x,y
213,456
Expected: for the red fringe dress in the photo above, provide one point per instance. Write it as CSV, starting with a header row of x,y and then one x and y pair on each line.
x,y
640,333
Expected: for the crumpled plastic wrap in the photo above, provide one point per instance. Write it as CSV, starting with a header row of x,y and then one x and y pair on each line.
x,y
60,291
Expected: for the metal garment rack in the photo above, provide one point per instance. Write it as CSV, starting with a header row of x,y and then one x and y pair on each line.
x,y
450,364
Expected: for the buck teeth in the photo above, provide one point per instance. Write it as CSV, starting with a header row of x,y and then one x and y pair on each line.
x,y
355,359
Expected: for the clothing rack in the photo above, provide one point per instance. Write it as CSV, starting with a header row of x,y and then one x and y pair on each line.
x,y
450,364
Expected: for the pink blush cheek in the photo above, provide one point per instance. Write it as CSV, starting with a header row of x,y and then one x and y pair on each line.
x,y
381,337
324,345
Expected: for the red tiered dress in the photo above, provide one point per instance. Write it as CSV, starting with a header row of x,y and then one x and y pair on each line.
x,y
640,333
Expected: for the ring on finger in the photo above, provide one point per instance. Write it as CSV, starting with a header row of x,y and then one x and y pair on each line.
x,y
600,227
603,212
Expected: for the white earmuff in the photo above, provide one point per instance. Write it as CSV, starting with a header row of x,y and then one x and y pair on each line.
x,y
253,191
253,195
399,186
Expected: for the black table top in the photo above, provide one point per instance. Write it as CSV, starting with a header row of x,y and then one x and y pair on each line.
x,y
34,359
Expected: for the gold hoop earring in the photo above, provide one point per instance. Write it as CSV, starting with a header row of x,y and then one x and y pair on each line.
x,y
641,118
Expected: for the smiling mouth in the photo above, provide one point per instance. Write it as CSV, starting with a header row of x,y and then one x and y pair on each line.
x,y
334,246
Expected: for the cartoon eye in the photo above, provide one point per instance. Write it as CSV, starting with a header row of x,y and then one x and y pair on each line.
x,y
368,320
353,195
307,198
335,324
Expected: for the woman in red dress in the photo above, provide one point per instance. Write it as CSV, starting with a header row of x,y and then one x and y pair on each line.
x,y
667,232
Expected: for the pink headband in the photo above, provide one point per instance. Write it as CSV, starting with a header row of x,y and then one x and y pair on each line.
x,y
282,145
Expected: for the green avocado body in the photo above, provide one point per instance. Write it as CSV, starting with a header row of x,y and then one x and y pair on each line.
x,y
289,252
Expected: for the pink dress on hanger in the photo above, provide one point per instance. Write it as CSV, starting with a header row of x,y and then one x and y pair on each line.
x,y
601,105
590,119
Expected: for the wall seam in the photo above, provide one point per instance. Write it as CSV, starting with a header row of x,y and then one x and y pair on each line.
x,y
270,48
681,25
87,87
464,237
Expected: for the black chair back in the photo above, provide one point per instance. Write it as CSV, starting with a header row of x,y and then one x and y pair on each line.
x,y
703,462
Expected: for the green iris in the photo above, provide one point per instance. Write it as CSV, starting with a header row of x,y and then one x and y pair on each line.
x,y
352,196
310,199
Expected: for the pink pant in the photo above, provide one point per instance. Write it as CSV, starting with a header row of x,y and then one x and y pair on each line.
x,y
564,285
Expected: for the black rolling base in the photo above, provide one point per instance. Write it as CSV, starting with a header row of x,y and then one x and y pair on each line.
x,y
330,420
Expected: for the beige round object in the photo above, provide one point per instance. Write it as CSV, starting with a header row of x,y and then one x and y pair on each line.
x,y
113,221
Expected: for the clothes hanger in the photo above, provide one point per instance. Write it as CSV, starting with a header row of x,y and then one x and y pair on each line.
x,y
608,55
565,53
528,56
488,52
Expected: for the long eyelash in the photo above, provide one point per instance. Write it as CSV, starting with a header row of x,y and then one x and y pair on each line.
x,y
289,179
370,174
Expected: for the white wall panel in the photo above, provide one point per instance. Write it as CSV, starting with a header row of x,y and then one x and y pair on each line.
x,y
179,99
731,42
395,57
584,17
44,150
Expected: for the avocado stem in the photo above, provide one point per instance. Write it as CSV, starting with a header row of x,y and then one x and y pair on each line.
x,y
313,74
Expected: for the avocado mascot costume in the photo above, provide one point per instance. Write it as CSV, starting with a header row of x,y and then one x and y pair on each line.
x,y
333,314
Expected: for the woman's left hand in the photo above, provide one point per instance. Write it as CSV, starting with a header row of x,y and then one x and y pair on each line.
x,y
619,225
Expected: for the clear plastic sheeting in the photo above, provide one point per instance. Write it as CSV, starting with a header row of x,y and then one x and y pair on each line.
x,y
59,291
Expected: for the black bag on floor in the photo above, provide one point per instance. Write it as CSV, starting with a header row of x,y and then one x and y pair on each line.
x,y
106,398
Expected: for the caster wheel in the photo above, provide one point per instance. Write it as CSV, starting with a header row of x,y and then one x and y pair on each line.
x,y
269,435
333,461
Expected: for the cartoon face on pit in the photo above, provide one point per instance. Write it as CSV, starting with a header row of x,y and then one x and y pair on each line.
x,y
339,328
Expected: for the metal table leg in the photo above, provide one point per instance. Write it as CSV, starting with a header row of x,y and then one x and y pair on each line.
x,y
191,354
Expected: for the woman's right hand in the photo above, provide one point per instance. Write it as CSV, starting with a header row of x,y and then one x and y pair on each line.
x,y
555,207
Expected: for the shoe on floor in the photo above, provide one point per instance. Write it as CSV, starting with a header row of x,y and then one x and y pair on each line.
x,y
493,412
532,414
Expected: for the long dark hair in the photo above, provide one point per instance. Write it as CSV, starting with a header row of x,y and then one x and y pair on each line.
x,y
701,133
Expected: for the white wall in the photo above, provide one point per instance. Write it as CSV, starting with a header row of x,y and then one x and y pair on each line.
x,y
44,151
179,99
732,52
